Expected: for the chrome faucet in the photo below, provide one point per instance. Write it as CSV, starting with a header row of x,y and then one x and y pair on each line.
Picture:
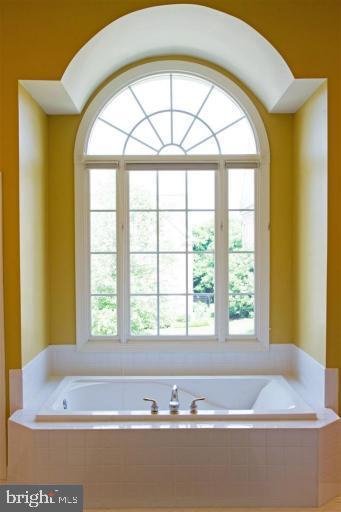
x,y
154,409
174,403
193,408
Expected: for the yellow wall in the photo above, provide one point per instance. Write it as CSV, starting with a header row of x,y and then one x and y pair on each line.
x,y
62,312
62,134
39,40
310,225
33,132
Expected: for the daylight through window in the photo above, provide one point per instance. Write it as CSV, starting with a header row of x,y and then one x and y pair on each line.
x,y
171,216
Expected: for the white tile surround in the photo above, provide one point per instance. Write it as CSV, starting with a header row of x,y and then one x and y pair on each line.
x,y
329,462
316,384
184,467
279,464
35,376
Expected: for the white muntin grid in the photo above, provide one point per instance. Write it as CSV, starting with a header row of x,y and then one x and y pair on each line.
x,y
155,161
220,167
157,168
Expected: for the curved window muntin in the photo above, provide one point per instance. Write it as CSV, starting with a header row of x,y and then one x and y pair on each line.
x,y
259,161
196,120
146,70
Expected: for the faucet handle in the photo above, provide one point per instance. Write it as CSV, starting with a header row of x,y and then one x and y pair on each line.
x,y
194,406
154,409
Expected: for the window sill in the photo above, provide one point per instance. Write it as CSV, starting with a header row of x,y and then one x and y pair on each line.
x,y
235,345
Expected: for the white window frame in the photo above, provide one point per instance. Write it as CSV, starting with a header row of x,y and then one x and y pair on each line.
x,y
260,162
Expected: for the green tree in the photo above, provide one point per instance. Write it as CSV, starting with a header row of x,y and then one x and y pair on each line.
x,y
241,270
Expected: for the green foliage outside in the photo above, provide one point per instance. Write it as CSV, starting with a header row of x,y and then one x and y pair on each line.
x,y
143,309
104,316
241,271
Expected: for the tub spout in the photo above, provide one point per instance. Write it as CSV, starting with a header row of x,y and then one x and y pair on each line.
x,y
174,401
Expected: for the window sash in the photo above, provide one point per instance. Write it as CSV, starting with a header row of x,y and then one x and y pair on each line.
x,y
251,292
122,166
185,252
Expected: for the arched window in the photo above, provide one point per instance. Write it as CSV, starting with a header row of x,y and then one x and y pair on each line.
x,y
172,211
172,114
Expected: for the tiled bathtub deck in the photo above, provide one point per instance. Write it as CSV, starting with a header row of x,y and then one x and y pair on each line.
x,y
140,466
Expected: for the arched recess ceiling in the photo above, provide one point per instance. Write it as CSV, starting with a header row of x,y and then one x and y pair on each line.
x,y
183,29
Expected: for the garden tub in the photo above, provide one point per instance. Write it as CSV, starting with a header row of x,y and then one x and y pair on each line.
x,y
227,398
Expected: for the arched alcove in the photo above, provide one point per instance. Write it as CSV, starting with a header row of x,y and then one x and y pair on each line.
x,y
189,30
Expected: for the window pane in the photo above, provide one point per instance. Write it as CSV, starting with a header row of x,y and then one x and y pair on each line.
x,y
196,135
143,273
201,314
162,123
241,231
208,147
201,231
172,315
171,149
238,139
153,93
172,231
241,273
172,190
143,316
105,140
135,147
201,273
142,190
143,231
145,133
103,231
241,314
241,189
102,189
181,124
172,273
201,190
123,111
189,93
103,273
103,316
219,110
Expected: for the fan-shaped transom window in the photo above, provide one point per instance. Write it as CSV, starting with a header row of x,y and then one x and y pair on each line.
x,y
171,114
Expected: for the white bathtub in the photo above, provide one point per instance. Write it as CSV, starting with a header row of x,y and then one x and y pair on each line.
x,y
227,398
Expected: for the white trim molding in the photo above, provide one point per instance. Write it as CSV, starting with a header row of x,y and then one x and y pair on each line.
x,y
260,162
183,29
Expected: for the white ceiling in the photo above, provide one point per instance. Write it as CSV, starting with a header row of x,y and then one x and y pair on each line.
x,y
189,30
